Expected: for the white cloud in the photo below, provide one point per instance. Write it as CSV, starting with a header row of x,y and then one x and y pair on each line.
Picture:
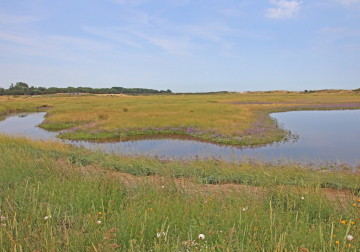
x,y
177,45
128,2
8,18
339,32
179,2
347,2
286,9
336,39
59,47
231,12
115,35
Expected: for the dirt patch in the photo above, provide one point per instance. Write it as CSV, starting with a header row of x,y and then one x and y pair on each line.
x,y
188,185
123,95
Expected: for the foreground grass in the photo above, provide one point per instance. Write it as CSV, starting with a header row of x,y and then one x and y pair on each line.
x,y
48,202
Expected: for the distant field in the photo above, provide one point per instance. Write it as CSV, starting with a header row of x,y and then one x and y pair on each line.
x,y
240,119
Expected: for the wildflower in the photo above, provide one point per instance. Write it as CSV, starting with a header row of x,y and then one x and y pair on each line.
x,y
358,200
201,236
163,187
350,237
98,222
256,228
47,217
337,242
352,223
344,221
334,235
302,198
354,205
99,212
3,218
158,235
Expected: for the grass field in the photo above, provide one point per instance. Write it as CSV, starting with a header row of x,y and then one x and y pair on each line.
x,y
240,119
56,197
61,198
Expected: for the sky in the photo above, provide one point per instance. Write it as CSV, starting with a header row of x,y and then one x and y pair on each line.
x,y
181,45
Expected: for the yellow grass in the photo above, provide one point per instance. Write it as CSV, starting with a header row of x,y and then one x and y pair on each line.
x,y
218,111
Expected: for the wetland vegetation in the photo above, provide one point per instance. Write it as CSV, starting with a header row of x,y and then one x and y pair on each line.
x,y
60,197
237,119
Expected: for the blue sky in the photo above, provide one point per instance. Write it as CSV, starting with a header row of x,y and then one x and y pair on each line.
x,y
183,45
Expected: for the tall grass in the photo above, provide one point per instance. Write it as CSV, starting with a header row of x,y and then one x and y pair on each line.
x,y
60,198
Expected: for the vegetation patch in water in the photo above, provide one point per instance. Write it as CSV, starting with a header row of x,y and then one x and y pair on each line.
x,y
265,130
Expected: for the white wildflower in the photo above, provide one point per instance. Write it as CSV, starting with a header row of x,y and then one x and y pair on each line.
x,y
158,235
302,198
201,236
98,222
245,208
163,187
3,218
350,237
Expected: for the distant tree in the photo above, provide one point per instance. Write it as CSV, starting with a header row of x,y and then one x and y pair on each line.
x,y
21,88
21,85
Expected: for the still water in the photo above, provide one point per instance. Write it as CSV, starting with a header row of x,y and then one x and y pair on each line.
x,y
324,136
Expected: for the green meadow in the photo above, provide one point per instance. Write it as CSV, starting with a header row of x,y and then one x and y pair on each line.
x,y
62,198
57,197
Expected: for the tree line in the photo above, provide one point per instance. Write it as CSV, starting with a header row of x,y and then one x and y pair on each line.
x,y
21,88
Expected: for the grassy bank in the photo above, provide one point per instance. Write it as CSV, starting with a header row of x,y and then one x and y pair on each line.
x,y
57,197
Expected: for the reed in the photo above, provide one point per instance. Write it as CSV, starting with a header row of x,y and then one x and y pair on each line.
x,y
57,197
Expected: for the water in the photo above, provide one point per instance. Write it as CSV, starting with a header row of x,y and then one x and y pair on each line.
x,y
324,136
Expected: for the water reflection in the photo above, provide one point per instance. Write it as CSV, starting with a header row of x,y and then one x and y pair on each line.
x,y
324,135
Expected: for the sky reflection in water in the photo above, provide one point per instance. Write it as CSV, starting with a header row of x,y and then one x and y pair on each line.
x,y
324,135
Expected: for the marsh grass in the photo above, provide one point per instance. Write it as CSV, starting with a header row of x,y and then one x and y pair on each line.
x,y
97,211
225,118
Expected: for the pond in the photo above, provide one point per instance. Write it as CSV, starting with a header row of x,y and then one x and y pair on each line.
x,y
324,136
